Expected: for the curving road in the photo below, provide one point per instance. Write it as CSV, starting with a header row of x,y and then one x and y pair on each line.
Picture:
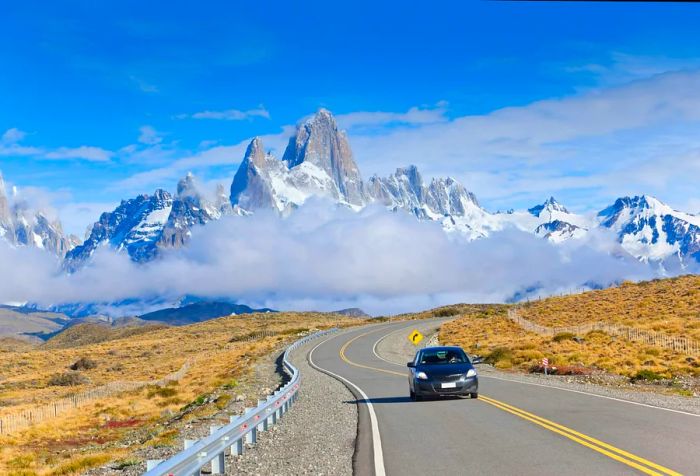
x,y
513,428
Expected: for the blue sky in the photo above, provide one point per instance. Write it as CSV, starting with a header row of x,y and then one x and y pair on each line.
x,y
100,101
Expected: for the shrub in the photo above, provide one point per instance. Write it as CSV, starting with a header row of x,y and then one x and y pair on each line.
x,y
164,392
223,401
498,354
68,379
646,375
445,312
572,370
81,464
563,336
83,363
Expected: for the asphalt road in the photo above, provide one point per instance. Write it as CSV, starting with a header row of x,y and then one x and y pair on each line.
x,y
513,428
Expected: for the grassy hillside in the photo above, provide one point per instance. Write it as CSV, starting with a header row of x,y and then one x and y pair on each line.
x,y
94,333
219,353
15,324
670,306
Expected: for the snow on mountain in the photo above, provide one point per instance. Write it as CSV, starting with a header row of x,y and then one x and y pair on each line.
x,y
651,230
319,143
189,208
318,162
22,226
443,200
148,223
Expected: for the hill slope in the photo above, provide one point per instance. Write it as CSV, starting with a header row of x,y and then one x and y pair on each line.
x,y
669,306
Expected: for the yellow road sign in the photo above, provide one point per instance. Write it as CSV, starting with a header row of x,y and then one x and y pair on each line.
x,y
415,337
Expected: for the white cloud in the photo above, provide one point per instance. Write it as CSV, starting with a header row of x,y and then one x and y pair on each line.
x,y
414,116
620,67
84,152
144,86
149,136
229,114
12,136
580,142
324,257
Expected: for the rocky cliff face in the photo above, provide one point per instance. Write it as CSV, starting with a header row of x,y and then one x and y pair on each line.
x,y
189,209
318,162
318,142
146,224
22,226
134,226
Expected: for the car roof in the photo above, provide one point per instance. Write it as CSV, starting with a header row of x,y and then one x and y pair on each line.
x,y
442,347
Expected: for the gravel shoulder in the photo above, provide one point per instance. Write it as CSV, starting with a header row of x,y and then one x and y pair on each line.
x,y
316,437
396,348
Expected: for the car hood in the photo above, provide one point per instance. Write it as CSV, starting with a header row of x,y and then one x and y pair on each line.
x,y
444,369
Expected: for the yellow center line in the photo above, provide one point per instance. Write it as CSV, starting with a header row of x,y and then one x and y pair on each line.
x,y
606,449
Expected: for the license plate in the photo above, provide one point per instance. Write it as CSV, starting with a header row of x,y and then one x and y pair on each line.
x,y
449,385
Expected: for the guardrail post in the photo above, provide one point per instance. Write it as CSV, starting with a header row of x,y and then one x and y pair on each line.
x,y
152,463
219,461
187,444
237,448
262,426
252,436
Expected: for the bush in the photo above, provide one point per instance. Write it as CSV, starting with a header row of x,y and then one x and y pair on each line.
x,y
164,392
68,380
563,336
445,312
83,363
646,375
499,354
223,401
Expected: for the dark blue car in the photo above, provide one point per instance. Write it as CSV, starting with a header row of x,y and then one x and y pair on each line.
x,y
442,371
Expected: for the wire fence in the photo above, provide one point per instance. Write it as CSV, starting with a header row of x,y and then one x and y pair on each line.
x,y
19,420
22,419
679,344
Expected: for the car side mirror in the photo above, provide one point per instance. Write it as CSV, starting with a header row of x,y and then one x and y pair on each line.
x,y
410,364
477,359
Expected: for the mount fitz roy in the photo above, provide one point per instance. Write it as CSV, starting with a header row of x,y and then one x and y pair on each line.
x,y
318,162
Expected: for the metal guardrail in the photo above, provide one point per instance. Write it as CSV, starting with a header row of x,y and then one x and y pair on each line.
x,y
242,429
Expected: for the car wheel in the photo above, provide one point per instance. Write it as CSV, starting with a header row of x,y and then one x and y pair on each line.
x,y
413,395
473,395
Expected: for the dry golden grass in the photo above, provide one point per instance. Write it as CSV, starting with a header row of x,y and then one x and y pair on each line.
x,y
77,440
670,306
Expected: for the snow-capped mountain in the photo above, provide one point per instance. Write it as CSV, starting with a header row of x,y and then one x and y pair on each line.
x,y
318,162
443,200
21,226
146,224
651,230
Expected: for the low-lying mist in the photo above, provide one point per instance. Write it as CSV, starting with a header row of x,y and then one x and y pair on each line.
x,y
324,257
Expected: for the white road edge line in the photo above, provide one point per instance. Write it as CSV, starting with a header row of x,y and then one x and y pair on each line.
x,y
552,386
593,395
376,438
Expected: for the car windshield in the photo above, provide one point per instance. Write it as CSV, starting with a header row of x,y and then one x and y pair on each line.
x,y
443,356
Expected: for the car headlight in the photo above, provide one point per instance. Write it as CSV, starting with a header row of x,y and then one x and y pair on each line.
x,y
471,373
421,375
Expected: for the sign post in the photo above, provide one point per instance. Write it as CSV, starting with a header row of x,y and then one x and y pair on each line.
x,y
545,364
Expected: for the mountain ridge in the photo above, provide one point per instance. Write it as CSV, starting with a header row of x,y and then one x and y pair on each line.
x,y
318,162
